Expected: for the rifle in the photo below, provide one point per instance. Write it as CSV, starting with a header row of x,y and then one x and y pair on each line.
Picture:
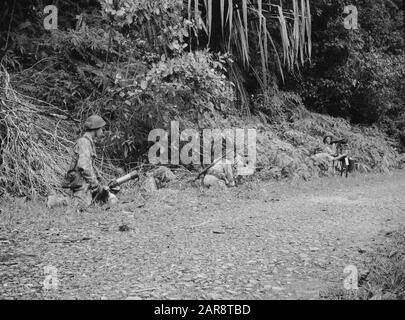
x,y
213,163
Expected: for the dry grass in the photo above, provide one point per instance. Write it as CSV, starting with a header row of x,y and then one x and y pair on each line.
x,y
35,143
385,279
387,268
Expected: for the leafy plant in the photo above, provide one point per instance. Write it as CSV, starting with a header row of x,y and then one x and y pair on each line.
x,y
253,31
356,74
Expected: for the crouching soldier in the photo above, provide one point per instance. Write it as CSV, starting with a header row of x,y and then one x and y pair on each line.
x,y
82,177
222,173
219,175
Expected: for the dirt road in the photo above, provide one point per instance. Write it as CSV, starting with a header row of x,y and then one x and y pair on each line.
x,y
257,241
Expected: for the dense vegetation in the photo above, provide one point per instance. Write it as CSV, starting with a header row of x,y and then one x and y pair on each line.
x,y
358,74
143,63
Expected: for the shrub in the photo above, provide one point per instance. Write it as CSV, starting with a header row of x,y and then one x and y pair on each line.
x,y
190,88
285,149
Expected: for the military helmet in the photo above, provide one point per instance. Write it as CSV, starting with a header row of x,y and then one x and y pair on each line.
x,y
94,122
326,137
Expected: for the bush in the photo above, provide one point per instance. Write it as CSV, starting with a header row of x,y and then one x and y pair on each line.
x,y
356,74
285,149
190,88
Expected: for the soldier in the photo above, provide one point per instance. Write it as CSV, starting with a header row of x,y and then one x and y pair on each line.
x,y
221,173
336,154
331,156
82,177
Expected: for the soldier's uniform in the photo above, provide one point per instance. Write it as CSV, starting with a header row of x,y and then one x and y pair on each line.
x,y
83,177
83,162
221,173
331,157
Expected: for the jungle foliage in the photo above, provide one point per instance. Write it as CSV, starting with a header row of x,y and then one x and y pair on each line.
x,y
204,63
357,74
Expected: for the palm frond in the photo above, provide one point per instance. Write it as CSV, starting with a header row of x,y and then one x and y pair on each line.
x,y
295,36
222,8
239,18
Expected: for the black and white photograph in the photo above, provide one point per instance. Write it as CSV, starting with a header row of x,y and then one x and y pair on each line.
x,y
202,156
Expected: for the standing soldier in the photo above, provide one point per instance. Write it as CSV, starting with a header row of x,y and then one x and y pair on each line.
x,y
82,177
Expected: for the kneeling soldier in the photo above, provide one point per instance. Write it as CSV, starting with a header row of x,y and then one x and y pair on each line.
x,y
82,177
